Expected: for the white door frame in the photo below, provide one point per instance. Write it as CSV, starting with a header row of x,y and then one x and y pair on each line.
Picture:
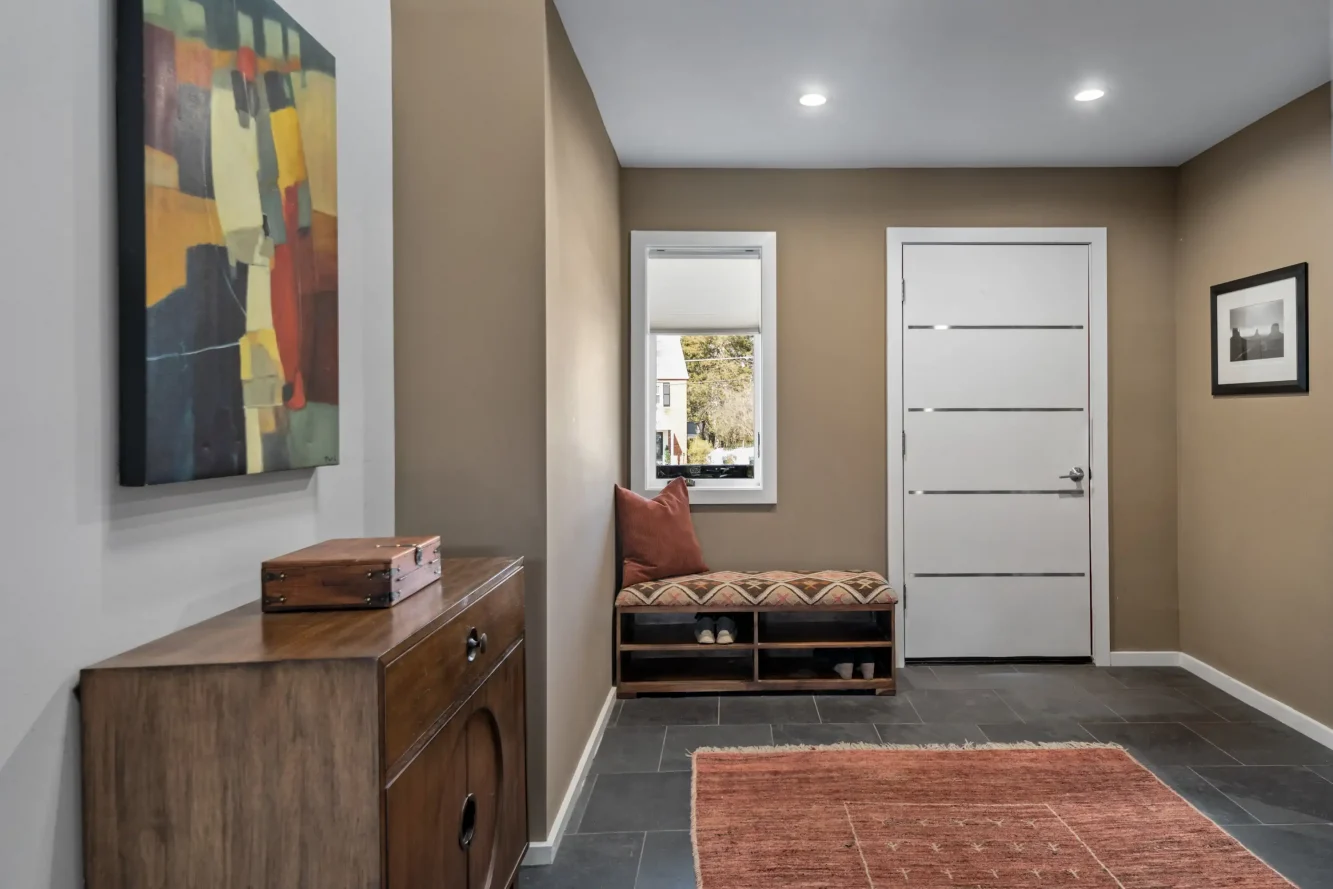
x,y
1099,478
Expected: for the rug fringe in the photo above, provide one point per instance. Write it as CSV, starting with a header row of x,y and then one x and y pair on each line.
x,y
967,745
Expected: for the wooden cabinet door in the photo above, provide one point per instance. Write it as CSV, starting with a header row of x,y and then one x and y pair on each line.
x,y
497,776
457,815
424,813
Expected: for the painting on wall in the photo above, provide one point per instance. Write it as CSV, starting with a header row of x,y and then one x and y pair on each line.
x,y
1260,341
228,192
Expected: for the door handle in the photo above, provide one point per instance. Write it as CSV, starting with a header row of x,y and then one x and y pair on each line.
x,y
1075,475
475,644
467,829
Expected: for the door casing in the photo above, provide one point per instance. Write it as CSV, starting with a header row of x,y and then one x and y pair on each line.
x,y
1098,484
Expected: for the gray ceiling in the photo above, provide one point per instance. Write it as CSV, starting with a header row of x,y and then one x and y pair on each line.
x,y
940,82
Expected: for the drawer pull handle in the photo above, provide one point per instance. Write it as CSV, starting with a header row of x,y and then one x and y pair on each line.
x,y
468,828
475,644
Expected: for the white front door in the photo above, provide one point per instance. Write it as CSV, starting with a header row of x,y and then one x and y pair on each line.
x,y
995,417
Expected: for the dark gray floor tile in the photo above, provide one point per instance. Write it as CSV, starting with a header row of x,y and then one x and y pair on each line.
x,y
768,709
979,706
1223,704
932,733
1325,771
1203,796
1160,743
608,861
1154,677
1156,705
581,804
682,740
1275,794
911,677
1046,731
943,670
615,711
629,748
653,801
963,677
866,708
1302,854
845,733
668,861
1036,704
669,711
1266,744
1085,675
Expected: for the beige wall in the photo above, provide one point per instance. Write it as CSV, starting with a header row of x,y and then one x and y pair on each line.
x,y
1256,487
509,325
470,294
585,412
831,292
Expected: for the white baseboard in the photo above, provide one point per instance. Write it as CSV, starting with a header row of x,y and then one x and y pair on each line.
x,y
542,852
1145,659
1288,716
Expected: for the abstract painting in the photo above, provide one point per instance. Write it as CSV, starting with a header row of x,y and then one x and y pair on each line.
x,y
228,189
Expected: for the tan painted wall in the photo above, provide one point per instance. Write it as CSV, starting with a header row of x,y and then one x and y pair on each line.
x,y
1256,488
585,411
831,291
470,282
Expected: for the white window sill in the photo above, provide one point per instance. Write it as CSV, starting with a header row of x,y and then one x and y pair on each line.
x,y
714,495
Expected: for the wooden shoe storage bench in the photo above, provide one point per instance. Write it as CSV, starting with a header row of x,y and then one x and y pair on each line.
x,y
778,648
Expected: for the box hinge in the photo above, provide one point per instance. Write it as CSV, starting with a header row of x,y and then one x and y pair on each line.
x,y
904,291
904,442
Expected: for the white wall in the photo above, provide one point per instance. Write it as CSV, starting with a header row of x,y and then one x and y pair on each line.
x,y
90,569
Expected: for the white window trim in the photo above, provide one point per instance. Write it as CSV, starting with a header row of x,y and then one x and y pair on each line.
x,y
643,362
1099,477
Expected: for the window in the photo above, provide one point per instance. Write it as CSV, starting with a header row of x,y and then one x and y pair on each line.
x,y
703,354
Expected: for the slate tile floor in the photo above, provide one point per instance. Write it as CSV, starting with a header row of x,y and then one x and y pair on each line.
x,y
1267,785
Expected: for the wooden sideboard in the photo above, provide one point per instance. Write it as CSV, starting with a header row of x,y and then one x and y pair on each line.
x,y
331,750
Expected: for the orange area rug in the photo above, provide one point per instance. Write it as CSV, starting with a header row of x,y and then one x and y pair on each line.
x,y
991,817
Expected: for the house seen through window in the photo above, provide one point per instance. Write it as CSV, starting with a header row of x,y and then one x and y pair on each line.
x,y
706,416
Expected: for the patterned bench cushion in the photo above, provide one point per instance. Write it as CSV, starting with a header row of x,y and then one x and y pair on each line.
x,y
742,589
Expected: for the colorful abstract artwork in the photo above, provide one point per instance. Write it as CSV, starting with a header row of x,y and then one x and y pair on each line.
x,y
228,177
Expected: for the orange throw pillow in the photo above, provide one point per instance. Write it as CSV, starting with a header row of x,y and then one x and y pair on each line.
x,y
657,536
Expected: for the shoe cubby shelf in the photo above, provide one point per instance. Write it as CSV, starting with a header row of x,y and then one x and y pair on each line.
x,y
776,649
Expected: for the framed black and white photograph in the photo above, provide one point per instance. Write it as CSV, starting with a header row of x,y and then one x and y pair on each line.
x,y
1260,342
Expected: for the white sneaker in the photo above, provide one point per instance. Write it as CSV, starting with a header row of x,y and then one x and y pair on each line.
x,y
703,631
726,631
844,671
868,670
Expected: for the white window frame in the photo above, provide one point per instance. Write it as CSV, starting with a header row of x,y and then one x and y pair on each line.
x,y
763,489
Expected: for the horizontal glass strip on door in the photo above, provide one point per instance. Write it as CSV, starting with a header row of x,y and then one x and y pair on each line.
x,y
995,327
993,410
1073,492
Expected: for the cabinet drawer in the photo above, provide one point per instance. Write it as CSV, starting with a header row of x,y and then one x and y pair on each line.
x,y
443,668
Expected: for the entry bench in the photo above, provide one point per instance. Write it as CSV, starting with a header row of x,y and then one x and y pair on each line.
x,y
792,628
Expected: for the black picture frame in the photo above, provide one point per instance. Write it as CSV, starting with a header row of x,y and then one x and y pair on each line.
x,y
1301,384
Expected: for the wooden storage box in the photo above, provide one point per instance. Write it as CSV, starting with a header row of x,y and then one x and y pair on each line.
x,y
365,572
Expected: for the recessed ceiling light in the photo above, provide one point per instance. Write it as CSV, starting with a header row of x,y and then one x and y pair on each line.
x,y
1091,95
813,100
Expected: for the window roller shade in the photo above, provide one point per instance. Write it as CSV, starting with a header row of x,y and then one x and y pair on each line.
x,y
704,293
